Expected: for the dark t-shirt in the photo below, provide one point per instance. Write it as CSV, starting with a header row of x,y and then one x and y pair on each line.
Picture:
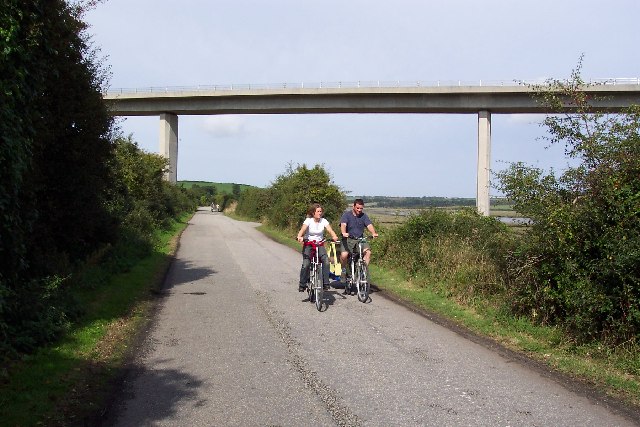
x,y
355,224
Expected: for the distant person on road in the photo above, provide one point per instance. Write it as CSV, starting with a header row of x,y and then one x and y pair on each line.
x,y
352,225
313,229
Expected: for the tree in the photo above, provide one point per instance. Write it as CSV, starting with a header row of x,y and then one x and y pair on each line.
x,y
141,198
579,265
285,203
55,155
236,191
18,88
70,174
254,203
205,194
292,193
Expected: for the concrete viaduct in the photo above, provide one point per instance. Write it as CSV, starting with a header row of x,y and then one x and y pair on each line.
x,y
484,100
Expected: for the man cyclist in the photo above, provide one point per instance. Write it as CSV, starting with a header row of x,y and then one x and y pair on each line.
x,y
352,225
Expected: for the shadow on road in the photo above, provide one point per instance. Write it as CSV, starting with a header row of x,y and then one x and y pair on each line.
x,y
182,272
336,292
164,392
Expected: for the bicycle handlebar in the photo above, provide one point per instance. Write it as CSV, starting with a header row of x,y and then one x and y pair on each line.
x,y
313,242
363,238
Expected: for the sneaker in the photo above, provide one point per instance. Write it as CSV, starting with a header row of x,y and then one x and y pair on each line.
x,y
301,287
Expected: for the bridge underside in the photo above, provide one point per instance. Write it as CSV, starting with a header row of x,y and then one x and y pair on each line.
x,y
169,148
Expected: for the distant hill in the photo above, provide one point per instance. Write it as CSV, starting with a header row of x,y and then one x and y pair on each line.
x,y
221,187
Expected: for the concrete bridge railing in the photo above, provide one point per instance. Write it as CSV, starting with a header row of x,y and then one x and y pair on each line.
x,y
360,84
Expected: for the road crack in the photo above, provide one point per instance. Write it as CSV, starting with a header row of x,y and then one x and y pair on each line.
x,y
340,413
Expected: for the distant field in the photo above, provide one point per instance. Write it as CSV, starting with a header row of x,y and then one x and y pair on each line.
x,y
389,216
394,216
221,187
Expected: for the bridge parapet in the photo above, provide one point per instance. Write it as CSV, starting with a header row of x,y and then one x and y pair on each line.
x,y
614,81
202,100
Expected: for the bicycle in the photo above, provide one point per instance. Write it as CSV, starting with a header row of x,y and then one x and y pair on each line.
x,y
315,287
359,278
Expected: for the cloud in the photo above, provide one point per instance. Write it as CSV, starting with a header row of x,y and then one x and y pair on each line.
x,y
224,126
527,119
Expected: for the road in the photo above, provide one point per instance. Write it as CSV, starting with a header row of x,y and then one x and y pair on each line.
x,y
235,344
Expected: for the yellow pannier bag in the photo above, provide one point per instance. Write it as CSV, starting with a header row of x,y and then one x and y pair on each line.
x,y
334,260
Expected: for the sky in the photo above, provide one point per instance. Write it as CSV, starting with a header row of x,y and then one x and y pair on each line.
x,y
158,43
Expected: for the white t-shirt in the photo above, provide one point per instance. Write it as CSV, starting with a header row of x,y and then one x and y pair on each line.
x,y
315,230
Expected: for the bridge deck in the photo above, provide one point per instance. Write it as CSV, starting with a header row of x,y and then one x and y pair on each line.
x,y
433,99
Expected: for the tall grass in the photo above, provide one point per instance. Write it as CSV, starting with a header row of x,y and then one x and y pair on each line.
x,y
454,254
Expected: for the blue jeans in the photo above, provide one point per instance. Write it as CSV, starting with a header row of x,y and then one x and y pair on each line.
x,y
306,262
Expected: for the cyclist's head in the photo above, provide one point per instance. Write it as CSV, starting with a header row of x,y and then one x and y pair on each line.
x,y
358,205
313,208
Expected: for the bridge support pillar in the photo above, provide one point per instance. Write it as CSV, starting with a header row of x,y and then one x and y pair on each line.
x,y
484,162
169,144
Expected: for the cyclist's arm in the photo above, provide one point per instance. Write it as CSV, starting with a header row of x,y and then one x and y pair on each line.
x,y
303,230
343,229
334,236
372,230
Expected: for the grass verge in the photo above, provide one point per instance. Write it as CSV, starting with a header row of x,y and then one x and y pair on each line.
x,y
68,383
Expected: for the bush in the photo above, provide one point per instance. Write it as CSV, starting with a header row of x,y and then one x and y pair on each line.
x,y
456,254
143,199
285,203
55,149
579,266
254,203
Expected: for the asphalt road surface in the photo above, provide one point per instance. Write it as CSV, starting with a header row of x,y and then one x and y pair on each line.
x,y
235,344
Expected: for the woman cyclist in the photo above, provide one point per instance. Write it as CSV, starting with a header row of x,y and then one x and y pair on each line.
x,y
313,229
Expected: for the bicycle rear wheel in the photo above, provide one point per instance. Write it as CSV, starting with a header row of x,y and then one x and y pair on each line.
x,y
318,289
363,282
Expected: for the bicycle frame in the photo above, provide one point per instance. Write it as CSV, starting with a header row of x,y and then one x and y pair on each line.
x,y
359,272
355,256
315,289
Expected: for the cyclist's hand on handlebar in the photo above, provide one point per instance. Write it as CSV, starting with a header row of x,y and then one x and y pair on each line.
x,y
300,239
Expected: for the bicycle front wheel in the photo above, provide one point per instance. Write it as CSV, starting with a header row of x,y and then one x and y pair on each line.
x,y
318,289
310,285
363,282
355,278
